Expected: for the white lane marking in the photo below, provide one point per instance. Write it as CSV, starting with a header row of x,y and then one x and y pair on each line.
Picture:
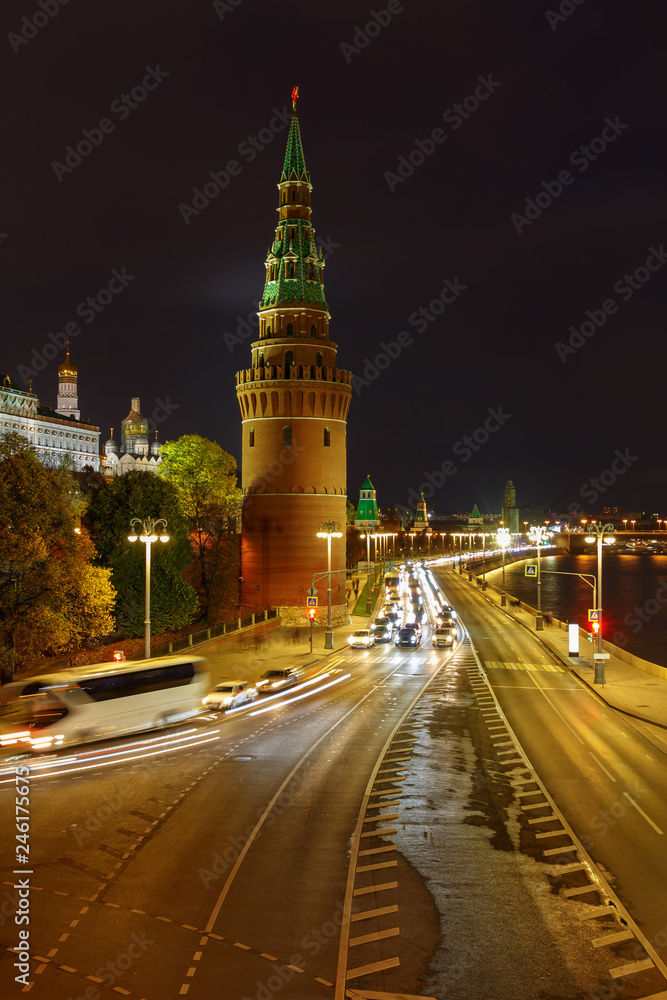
x,y
639,809
600,764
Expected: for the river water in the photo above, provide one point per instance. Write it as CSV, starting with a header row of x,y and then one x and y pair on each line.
x,y
633,587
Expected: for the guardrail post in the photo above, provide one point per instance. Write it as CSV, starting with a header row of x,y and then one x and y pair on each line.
x,y
190,639
171,650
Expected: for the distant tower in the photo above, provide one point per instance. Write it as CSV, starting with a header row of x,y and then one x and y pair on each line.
x,y
367,510
68,400
294,403
475,517
510,509
421,517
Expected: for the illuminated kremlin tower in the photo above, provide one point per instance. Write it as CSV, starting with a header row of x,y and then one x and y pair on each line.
x,y
294,403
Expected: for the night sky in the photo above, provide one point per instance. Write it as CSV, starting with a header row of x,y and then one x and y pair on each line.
x,y
569,107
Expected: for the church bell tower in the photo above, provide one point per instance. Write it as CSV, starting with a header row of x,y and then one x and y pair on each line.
x,y
294,403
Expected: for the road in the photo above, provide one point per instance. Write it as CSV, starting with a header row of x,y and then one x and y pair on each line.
x,y
369,837
608,780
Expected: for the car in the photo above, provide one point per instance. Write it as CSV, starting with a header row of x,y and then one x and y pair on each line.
x,y
381,621
443,637
395,619
363,638
414,625
277,680
229,694
382,632
407,637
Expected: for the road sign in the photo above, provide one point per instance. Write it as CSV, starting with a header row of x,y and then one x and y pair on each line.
x,y
531,569
311,602
594,615
312,591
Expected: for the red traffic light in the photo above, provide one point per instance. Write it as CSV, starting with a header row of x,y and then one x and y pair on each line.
x,y
595,628
311,614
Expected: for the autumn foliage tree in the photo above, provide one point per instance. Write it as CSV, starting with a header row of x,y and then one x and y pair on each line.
x,y
111,508
205,479
52,597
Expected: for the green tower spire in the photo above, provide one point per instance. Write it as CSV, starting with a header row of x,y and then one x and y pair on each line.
x,y
294,167
367,511
294,263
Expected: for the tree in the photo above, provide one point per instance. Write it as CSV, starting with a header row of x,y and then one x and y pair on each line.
x,y
51,597
205,480
111,508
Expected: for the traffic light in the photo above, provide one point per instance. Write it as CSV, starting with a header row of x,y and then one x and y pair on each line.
x,y
595,628
118,655
311,615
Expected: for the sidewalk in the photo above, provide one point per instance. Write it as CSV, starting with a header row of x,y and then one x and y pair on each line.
x,y
282,648
627,688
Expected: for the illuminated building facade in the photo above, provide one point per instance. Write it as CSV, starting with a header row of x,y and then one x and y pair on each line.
x,y
294,403
58,436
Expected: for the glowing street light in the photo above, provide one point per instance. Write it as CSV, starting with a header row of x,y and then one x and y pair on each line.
x,y
600,533
329,530
538,535
146,531
503,538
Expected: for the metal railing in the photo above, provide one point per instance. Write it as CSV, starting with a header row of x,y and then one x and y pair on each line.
x,y
226,628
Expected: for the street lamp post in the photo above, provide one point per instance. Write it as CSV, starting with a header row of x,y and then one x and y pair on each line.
x,y
329,530
600,533
369,605
537,535
503,537
146,531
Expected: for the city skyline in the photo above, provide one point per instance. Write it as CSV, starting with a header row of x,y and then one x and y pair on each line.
x,y
494,266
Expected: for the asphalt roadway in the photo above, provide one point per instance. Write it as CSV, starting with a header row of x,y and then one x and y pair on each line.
x,y
371,834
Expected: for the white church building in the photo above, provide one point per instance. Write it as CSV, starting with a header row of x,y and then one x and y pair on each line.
x,y
54,434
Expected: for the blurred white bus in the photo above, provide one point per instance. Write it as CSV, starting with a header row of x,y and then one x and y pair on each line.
x,y
83,704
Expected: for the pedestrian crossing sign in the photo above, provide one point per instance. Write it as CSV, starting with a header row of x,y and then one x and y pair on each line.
x,y
311,602
594,615
531,569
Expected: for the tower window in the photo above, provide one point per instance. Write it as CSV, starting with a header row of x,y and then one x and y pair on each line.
x,y
268,330
293,194
313,330
251,438
318,361
289,359
290,329
327,437
261,359
287,435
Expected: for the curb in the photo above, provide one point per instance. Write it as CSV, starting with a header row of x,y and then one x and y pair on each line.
x,y
593,690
